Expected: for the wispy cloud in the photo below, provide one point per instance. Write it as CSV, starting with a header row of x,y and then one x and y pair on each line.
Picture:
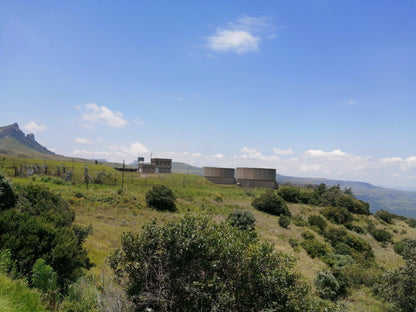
x,y
94,113
34,127
83,141
242,36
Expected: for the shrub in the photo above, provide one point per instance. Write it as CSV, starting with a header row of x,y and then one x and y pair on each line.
x,y
315,248
381,235
316,220
196,264
289,193
7,195
399,286
327,285
411,222
242,219
161,197
272,203
43,276
338,215
308,196
385,216
284,221
40,226
299,220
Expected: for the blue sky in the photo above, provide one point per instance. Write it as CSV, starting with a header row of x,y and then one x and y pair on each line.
x,y
311,88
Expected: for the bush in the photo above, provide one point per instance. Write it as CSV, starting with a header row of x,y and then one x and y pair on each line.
x,y
196,264
308,196
315,248
242,219
338,215
7,195
385,216
399,286
327,285
381,235
411,222
289,193
284,221
272,203
161,197
40,226
316,220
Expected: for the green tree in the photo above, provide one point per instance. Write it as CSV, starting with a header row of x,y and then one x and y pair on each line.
x,y
289,193
271,203
7,195
161,197
196,264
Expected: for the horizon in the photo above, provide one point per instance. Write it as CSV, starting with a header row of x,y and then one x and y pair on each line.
x,y
313,89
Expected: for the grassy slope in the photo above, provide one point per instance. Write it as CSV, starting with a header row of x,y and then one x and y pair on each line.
x,y
111,214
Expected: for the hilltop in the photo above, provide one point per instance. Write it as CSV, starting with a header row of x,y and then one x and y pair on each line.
x,y
13,139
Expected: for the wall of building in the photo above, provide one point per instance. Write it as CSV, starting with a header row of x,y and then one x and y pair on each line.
x,y
219,175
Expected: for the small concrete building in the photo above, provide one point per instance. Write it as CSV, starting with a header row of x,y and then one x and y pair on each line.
x,y
157,165
162,165
256,177
220,175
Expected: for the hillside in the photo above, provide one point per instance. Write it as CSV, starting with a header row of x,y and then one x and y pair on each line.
x,y
111,213
398,202
13,139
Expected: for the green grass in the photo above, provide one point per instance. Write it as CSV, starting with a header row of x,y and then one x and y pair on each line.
x,y
15,296
111,213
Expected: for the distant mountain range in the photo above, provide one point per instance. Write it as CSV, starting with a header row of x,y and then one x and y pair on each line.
x,y
13,139
14,142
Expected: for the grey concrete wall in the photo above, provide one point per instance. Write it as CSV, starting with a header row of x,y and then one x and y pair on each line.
x,y
258,174
216,172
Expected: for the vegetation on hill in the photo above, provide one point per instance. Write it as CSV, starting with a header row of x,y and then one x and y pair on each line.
x,y
343,253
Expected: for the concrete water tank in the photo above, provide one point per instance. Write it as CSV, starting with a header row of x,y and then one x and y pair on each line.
x,y
256,177
219,175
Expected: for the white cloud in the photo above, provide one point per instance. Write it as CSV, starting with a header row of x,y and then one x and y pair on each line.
x,y
233,40
242,36
283,152
83,141
34,127
116,153
218,156
94,113
321,154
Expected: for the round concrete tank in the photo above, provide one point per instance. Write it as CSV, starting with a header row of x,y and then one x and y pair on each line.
x,y
260,174
219,175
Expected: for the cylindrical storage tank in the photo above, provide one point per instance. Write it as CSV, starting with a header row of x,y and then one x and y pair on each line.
x,y
256,177
261,174
219,175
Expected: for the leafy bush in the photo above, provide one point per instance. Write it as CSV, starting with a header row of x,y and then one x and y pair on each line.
x,y
272,203
385,216
316,220
308,196
289,193
40,226
196,264
7,195
399,286
381,235
161,197
315,248
242,219
338,215
327,285
43,276
284,221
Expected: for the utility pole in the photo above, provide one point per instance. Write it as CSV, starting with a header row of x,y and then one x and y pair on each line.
x,y
122,178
